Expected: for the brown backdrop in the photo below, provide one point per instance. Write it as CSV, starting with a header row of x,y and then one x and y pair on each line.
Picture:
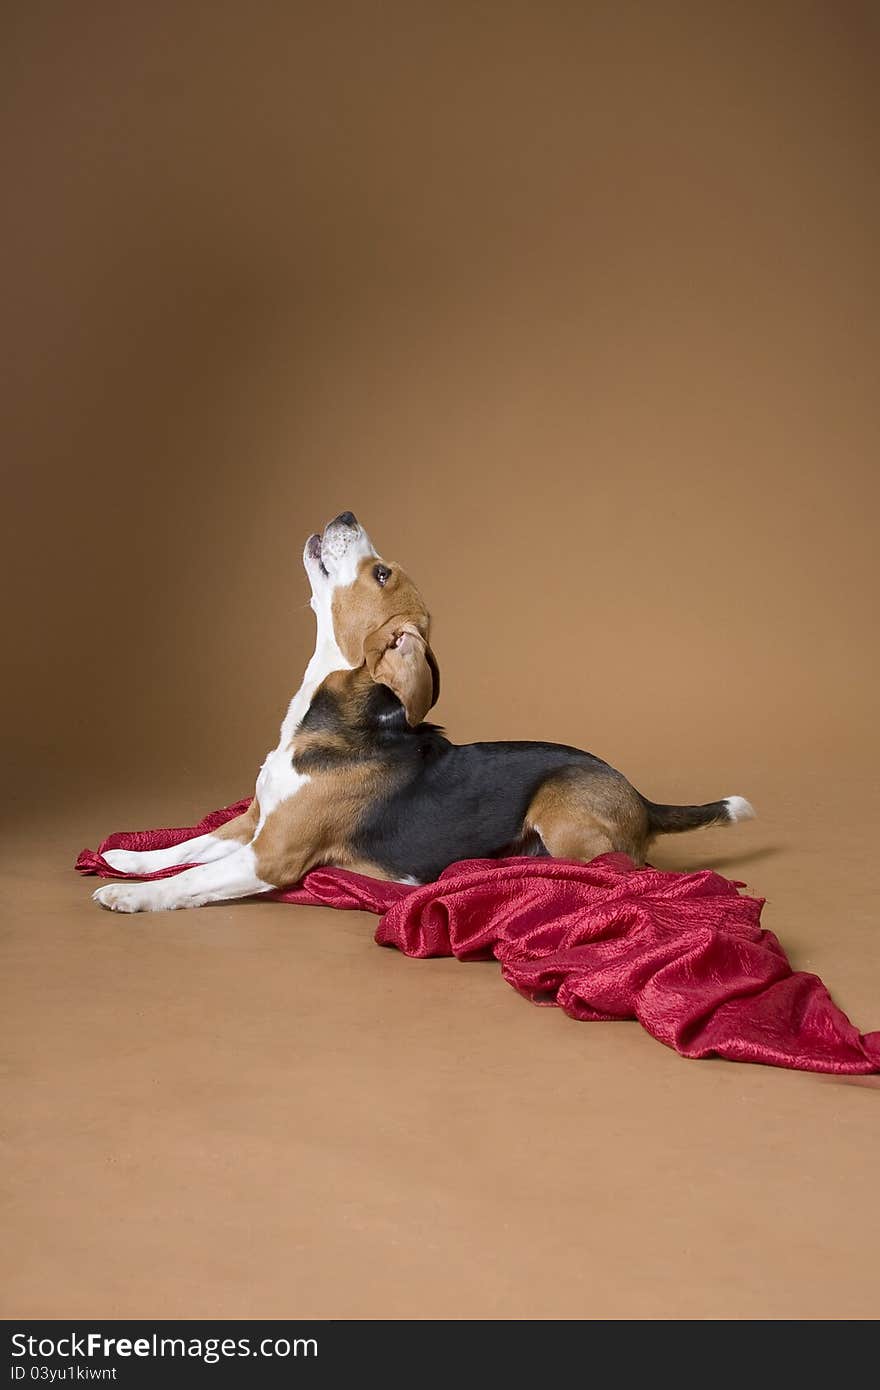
x,y
576,306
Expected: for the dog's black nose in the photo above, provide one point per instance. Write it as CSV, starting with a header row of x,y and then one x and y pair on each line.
x,y
345,519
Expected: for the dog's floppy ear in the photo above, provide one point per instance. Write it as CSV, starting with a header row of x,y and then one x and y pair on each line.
x,y
397,655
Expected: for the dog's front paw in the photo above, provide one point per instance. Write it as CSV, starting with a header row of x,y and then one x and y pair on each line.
x,y
124,897
126,861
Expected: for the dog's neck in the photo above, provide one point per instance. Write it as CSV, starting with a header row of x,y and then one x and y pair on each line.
x,y
353,718
326,659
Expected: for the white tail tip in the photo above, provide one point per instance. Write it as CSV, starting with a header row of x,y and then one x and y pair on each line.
x,y
739,809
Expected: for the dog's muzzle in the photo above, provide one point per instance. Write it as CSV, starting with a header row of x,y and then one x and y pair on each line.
x,y
342,537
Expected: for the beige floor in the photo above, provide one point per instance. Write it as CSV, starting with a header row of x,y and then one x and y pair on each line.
x,y
254,1111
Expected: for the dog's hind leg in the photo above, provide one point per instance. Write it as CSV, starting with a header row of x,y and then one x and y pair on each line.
x,y
202,849
581,842
581,812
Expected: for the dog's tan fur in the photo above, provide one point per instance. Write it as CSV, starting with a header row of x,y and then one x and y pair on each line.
x,y
579,815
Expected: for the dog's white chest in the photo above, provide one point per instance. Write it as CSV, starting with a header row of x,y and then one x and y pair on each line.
x,y
278,781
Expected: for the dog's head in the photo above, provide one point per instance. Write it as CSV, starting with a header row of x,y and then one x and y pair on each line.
x,y
373,613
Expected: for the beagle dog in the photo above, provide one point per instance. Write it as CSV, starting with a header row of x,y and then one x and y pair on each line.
x,y
358,780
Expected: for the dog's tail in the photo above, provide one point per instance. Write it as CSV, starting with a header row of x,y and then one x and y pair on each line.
x,y
670,820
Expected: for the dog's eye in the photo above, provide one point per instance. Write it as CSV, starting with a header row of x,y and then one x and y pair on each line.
x,y
381,574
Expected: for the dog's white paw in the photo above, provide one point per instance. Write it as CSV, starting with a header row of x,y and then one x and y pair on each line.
x,y
125,897
126,861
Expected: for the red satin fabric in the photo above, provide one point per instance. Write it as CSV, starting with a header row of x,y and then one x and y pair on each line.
x,y
684,954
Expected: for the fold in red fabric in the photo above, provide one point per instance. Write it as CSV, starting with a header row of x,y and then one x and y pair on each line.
x,y
685,954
